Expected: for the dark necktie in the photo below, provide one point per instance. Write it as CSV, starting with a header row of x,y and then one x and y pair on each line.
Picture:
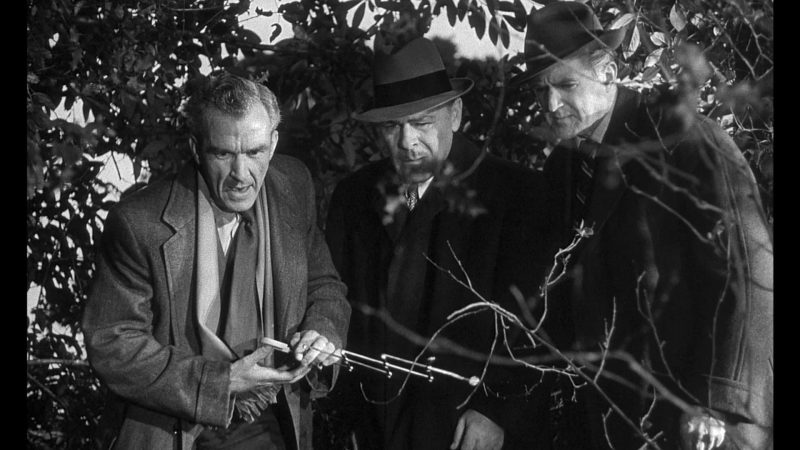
x,y
242,330
412,196
584,179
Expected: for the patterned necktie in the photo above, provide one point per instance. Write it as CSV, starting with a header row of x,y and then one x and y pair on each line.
x,y
412,196
242,330
584,179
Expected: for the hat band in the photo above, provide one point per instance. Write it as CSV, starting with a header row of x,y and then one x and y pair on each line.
x,y
413,89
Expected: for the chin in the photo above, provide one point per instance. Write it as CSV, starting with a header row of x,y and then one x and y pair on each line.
x,y
238,206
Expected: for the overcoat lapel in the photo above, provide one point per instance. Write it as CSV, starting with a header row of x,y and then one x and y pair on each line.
x,y
611,177
179,253
284,233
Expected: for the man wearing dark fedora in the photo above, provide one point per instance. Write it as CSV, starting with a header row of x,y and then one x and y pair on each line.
x,y
673,270
404,259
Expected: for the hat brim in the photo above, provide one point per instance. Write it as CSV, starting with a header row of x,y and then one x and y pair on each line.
x,y
460,87
611,38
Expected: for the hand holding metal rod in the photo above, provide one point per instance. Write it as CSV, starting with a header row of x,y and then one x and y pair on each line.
x,y
350,359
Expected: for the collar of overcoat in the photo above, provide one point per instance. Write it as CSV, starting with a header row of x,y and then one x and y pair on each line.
x,y
286,230
462,157
611,172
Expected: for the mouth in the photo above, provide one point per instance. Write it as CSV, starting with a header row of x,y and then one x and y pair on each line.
x,y
238,190
559,118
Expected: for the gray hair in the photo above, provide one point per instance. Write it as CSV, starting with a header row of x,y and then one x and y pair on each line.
x,y
230,94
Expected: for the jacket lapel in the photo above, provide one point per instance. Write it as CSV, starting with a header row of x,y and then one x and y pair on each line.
x,y
178,252
610,180
285,232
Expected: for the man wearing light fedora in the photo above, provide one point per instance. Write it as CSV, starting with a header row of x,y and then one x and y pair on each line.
x,y
402,259
674,267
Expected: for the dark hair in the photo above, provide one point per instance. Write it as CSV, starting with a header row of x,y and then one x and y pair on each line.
x,y
230,94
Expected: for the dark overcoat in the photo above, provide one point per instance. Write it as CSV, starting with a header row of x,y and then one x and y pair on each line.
x,y
680,262
139,325
388,267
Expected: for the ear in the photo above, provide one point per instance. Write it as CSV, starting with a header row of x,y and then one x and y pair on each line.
x,y
273,142
455,114
610,73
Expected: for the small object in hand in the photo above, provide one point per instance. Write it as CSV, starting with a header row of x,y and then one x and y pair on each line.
x,y
277,345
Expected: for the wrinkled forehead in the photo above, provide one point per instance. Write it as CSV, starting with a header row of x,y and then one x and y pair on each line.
x,y
438,113
566,69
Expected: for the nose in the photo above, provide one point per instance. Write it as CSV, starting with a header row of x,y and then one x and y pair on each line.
x,y
408,136
552,100
238,167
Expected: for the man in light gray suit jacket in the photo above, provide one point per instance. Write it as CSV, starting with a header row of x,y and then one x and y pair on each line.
x,y
195,270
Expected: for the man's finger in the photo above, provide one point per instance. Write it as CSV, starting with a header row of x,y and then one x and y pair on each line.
x,y
314,350
458,434
258,354
333,356
304,343
320,349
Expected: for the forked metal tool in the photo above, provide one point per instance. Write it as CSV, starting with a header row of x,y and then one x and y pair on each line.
x,y
385,365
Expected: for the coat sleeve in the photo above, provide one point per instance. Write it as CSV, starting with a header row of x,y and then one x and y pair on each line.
x,y
740,379
328,311
118,330
519,403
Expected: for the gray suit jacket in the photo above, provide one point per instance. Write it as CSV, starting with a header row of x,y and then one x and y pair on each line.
x,y
139,326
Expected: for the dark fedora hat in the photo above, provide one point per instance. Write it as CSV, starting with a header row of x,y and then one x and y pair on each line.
x,y
558,31
411,80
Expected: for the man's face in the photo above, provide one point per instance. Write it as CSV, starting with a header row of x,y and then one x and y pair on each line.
x,y
419,143
574,96
235,156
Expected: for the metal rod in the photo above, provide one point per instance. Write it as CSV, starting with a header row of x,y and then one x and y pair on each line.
x,y
382,365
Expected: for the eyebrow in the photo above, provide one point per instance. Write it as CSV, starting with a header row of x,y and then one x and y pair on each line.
x,y
212,149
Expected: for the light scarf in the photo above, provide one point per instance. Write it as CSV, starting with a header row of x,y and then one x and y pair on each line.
x,y
208,282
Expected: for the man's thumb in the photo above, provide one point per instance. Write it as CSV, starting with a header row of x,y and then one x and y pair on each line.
x,y
259,354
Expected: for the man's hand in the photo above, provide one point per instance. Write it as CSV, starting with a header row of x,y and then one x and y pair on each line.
x,y
246,374
475,431
313,349
701,432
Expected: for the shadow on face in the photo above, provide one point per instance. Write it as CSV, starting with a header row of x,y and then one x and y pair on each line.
x,y
420,143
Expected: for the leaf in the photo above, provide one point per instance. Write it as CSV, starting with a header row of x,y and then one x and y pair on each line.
x,y
249,36
519,12
658,38
633,44
506,6
649,73
622,21
266,13
493,30
275,32
391,5
677,17
653,57
505,38
359,15
70,154
450,9
478,22
463,7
